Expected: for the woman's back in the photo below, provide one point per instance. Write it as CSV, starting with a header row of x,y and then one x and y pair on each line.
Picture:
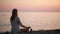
x,y
15,25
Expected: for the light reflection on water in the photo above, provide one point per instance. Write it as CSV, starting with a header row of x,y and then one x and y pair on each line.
x,y
37,20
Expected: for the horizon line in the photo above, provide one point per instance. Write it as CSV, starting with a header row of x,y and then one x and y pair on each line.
x,y
31,10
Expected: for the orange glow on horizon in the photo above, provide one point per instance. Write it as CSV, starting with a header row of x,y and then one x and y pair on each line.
x,y
30,4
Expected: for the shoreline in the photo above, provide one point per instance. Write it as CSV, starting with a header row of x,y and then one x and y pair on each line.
x,y
56,31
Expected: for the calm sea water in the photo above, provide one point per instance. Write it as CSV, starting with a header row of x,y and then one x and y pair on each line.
x,y
37,20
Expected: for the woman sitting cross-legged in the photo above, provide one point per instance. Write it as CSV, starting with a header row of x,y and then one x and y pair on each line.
x,y
15,22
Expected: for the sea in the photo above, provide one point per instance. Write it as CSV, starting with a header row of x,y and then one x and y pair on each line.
x,y
37,20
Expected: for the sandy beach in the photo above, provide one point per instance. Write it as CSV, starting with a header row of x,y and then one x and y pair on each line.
x,y
57,31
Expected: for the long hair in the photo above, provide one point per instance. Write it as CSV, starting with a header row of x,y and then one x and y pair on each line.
x,y
14,14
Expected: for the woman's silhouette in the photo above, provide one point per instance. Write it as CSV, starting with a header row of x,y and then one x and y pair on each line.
x,y
15,22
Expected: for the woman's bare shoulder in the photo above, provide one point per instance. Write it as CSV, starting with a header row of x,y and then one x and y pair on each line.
x,y
17,18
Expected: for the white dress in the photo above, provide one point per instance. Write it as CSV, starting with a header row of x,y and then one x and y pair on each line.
x,y
15,25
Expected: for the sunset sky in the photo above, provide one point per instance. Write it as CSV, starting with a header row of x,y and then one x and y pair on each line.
x,y
30,4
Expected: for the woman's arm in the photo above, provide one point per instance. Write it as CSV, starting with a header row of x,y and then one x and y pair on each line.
x,y
19,22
